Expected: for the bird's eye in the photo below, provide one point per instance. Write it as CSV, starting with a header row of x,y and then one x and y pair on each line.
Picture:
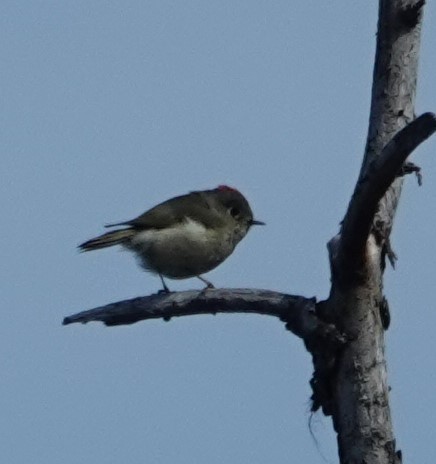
x,y
234,212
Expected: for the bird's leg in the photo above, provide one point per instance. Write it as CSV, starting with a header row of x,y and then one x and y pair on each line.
x,y
208,284
165,288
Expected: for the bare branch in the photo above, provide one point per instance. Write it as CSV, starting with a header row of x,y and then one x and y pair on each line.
x,y
300,314
296,311
374,184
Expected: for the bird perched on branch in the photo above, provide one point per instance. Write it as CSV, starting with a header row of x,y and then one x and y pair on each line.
x,y
185,236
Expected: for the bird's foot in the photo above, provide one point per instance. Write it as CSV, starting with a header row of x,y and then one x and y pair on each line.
x,y
163,291
208,284
165,288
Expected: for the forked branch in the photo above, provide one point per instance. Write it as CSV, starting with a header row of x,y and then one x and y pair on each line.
x,y
374,184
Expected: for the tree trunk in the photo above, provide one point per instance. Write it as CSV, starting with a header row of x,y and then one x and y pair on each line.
x,y
360,389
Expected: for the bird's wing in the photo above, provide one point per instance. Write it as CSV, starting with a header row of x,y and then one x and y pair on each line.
x,y
194,205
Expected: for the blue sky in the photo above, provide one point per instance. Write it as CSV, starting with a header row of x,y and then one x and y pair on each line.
x,y
110,107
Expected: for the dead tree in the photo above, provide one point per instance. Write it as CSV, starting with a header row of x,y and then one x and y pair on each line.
x,y
345,333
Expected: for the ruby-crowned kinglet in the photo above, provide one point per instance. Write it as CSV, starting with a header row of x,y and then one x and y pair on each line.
x,y
185,236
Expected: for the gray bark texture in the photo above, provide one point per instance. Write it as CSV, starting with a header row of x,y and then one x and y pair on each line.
x,y
345,333
359,402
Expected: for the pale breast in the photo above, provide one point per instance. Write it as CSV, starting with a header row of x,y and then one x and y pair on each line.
x,y
185,250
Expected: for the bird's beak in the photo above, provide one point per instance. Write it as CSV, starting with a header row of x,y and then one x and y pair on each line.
x,y
253,222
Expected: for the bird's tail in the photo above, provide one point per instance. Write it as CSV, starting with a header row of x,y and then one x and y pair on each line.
x,y
116,237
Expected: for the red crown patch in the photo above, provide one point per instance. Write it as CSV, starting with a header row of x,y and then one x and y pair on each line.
x,y
226,188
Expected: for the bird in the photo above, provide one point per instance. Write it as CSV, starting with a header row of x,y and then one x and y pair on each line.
x,y
185,236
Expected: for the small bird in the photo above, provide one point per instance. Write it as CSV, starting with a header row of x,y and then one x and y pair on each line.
x,y
185,236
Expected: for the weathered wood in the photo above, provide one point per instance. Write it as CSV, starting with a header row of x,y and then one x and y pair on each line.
x,y
371,188
359,387
296,311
